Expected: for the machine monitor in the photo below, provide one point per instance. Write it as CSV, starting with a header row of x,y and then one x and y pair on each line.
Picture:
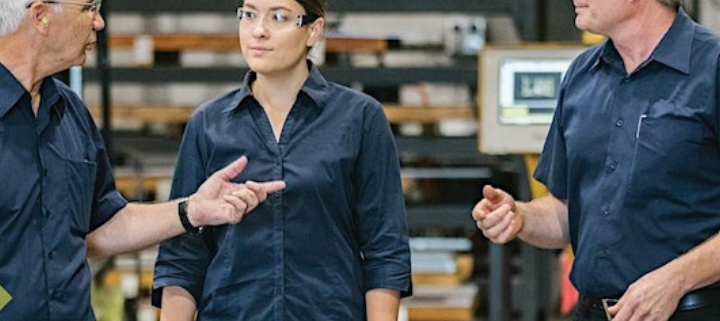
x,y
518,93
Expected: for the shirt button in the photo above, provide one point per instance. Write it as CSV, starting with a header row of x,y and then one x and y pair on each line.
x,y
613,165
606,211
51,255
619,122
55,295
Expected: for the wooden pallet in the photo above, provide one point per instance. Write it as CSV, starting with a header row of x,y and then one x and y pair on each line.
x,y
230,43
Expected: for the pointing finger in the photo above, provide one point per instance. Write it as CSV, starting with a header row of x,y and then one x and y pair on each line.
x,y
273,186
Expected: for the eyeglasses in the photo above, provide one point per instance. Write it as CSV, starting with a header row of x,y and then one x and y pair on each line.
x,y
276,20
93,7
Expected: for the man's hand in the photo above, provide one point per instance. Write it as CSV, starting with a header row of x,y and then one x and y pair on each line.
x,y
219,201
653,297
251,194
496,215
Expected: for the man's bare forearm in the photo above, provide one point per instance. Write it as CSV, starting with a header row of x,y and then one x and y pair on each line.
x,y
545,222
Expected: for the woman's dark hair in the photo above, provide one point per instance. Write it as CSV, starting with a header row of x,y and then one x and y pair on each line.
x,y
314,7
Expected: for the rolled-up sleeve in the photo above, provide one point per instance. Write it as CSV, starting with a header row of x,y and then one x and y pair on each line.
x,y
381,208
182,261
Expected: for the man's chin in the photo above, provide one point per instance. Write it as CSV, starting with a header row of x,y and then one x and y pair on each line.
x,y
79,62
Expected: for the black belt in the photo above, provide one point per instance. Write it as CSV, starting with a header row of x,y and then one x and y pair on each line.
x,y
692,300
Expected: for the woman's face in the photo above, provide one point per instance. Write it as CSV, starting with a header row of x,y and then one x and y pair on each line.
x,y
270,39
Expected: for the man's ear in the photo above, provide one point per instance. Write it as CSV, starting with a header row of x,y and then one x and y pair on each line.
x,y
39,14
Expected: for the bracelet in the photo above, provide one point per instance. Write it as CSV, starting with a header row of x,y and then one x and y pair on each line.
x,y
183,213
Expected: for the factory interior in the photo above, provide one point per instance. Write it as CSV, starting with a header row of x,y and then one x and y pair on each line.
x,y
442,71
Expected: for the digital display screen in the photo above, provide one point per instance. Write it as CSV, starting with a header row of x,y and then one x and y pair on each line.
x,y
529,89
536,86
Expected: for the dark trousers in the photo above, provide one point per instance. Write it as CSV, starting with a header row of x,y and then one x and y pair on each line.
x,y
591,311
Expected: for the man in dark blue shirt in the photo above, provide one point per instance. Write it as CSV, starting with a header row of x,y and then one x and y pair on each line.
x,y
58,199
632,162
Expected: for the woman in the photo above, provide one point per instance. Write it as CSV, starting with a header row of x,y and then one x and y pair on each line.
x,y
333,245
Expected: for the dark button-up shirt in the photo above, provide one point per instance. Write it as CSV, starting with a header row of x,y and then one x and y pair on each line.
x,y
55,187
637,157
311,251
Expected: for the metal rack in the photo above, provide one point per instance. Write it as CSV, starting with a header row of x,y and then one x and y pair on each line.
x,y
343,75
525,12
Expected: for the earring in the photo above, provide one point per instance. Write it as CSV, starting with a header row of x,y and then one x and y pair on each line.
x,y
312,33
44,21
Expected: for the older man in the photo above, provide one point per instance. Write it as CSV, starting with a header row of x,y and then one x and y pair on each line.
x,y
58,199
632,163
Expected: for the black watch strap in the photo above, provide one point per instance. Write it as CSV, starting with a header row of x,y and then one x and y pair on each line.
x,y
183,213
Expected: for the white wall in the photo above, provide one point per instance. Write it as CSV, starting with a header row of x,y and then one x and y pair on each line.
x,y
709,14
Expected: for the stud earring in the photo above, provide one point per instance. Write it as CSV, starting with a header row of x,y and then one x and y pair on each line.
x,y
44,21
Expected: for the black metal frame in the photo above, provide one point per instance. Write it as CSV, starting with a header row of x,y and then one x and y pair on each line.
x,y
342,75
490,6
525,12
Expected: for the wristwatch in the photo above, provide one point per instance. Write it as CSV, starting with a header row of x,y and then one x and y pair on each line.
x,y
183,213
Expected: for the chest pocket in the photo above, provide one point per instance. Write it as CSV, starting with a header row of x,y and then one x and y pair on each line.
x,y
667,123
669,143
80,182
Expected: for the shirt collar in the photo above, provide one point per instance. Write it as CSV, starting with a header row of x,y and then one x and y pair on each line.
x,y
673,50
315,86
11,90
676,46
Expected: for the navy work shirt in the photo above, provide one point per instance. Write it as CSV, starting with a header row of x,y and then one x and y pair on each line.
x,y
637,157
55,187
311,251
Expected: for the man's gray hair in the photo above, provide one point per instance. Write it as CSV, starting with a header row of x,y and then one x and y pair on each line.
x,y
670,3
12,12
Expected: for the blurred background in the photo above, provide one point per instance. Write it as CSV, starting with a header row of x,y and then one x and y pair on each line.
x,y
437,67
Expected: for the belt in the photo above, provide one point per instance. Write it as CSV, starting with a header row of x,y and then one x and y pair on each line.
x,y
692,300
